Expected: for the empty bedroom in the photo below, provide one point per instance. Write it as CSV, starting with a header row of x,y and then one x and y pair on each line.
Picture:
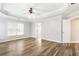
x,y
39,29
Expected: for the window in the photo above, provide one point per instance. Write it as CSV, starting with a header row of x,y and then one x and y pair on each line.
x,y
20,29
15,28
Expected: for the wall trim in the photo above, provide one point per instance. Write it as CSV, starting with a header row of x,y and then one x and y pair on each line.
x,y
34,38
14,39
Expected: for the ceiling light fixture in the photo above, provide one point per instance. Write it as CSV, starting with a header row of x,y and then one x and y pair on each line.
x,y
30,10
31,13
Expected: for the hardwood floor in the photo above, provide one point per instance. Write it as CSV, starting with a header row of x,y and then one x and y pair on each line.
x,y
29,47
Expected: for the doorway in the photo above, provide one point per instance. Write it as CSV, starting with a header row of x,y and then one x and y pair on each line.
x,y
75,30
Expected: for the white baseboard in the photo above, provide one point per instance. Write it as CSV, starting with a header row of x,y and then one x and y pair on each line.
x,y
74,42
5,40
34,37
53,40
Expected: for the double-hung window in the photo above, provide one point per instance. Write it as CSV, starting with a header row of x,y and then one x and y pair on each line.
x,y
15,28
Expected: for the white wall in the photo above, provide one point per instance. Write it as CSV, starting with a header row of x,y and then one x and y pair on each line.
x,y
3,29
51,29
27,29
35,29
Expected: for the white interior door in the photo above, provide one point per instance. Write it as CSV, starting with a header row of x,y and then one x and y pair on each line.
x,y
66,31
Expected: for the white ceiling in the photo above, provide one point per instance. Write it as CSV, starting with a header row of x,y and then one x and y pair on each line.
x,y
72,10
20,10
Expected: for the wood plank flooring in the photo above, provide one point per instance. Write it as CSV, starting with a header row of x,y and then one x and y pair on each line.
x,y
29,47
